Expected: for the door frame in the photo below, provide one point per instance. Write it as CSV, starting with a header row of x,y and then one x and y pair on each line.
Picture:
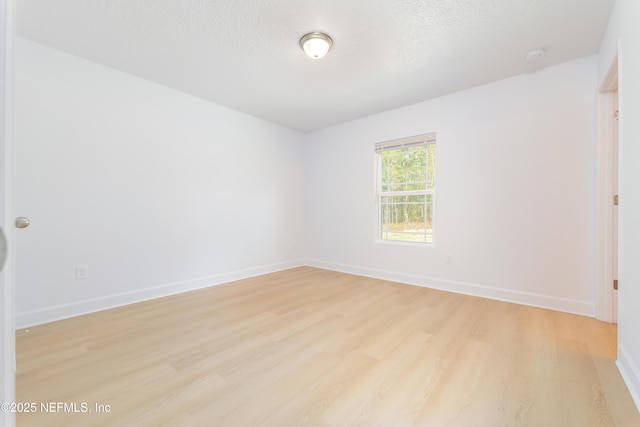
x,y
607,103
7,329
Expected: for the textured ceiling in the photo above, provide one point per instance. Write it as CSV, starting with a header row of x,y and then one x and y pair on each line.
x,y
244,54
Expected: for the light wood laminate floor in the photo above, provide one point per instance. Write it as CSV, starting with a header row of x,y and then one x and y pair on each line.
x,y
310,347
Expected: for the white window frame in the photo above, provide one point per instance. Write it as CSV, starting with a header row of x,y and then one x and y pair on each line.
x,y
425,139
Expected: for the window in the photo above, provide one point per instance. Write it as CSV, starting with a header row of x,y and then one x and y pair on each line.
x,y
406,185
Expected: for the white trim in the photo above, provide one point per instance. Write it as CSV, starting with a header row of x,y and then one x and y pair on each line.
x,y
410,141
404,243
630,373
64,311
604,195
583,308
604,209
610,80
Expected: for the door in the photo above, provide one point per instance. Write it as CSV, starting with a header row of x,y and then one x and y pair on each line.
x,y
7,334
607,190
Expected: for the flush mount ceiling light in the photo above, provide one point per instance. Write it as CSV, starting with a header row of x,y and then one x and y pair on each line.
x,y
316,45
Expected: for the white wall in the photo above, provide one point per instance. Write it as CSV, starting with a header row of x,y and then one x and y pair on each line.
x,y
515,201
158,192
623,37
154,190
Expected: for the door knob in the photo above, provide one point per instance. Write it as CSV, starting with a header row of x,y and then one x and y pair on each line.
x,y
22,222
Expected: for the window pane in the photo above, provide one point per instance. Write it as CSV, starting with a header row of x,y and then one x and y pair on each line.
x,y
431,166
404,169
407,218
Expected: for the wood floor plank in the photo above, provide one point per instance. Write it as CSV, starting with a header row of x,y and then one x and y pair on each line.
x,y
311,347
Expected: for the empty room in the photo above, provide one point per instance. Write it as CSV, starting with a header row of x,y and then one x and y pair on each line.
x,y
320,213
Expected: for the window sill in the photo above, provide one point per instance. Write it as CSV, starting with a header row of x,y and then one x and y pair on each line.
x,y
401,243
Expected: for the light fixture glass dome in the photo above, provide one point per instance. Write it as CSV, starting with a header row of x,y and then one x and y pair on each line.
x,y
316,45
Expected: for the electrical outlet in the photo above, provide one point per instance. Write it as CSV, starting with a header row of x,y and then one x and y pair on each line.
x,y
82,272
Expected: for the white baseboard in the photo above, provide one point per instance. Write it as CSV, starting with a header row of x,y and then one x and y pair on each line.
x,y
630,373
64,311
584,308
